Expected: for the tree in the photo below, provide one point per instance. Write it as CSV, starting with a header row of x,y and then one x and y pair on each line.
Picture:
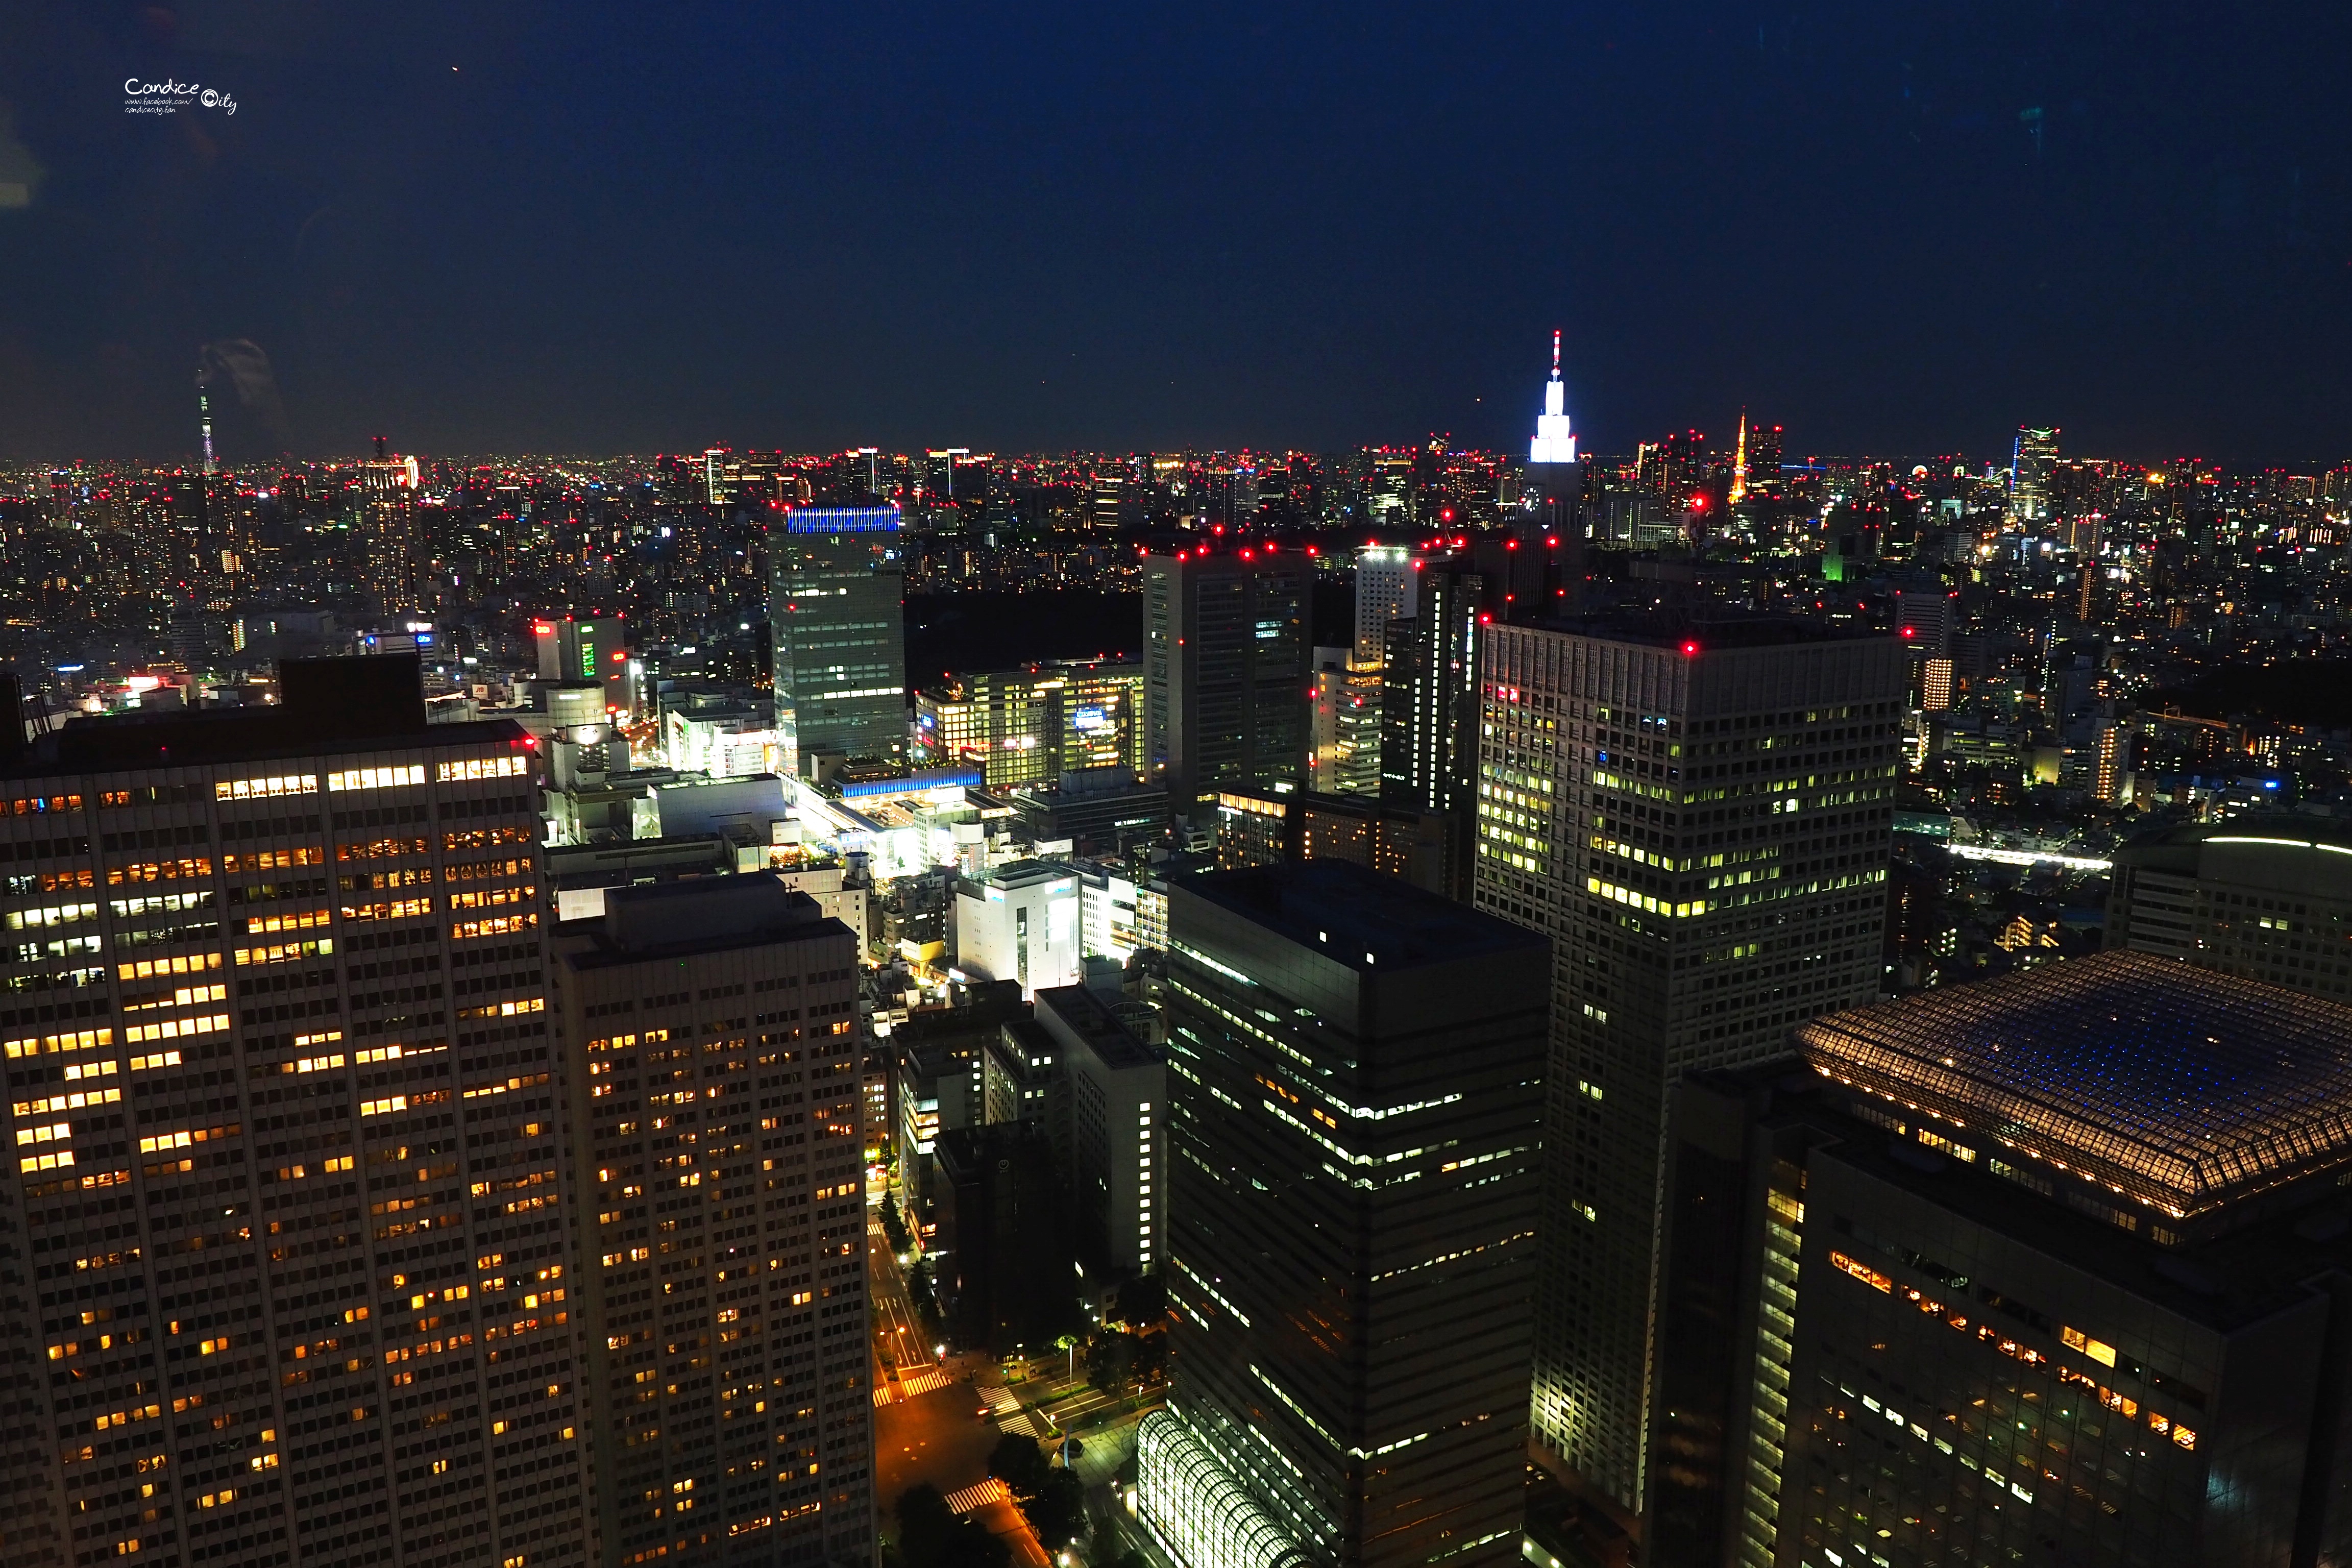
x,y
1109,1359
930,1535
894,1227
1058,1511
1142,1301
1019,1463
1053,1501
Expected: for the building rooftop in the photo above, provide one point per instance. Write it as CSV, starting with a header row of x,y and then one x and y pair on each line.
x,y
1357,917
1710,633
2225,1280
2265,830
2181,1088
328,707
698,915
1090,1018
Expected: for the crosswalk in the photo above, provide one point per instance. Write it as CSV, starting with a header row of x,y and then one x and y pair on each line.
x,y
1024,1424
1000,1398
980,1496
921,1383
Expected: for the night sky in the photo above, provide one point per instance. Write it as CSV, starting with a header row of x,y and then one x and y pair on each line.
x,y
587,227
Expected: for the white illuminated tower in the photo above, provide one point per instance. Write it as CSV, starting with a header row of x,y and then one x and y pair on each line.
x,y
1555,442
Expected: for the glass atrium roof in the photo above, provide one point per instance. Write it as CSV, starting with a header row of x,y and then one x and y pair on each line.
x,y
2176,1086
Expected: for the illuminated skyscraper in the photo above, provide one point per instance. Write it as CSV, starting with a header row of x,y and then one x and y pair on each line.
x,y
1698,817
728,1361
1356,1067
287,1277
384,516
2030,472
1385,591
836,604
1555,441
1225,669
1429,694
1764,443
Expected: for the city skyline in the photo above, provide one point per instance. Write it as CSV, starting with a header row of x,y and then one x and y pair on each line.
x,y
1068,230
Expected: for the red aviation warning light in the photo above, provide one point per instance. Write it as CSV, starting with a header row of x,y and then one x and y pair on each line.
x,y
1690,650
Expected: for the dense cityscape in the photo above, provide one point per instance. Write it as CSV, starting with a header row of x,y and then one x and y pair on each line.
x,y
1178,1010
1175,786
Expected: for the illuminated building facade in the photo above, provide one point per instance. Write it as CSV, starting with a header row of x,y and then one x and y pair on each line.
x,y
1344,755
289,1276
2048,1268
2262,896
1698,815
1429,694
1386,578
714,1023
2032,463
384,503
1356,1069
1032,725
837,613
1227,645
570,649
1554,439
1023,922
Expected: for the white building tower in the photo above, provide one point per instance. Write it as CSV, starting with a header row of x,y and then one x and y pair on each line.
x,y
1555,442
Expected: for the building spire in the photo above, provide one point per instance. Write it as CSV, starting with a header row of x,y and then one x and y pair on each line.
x,y
1740,463
1555,440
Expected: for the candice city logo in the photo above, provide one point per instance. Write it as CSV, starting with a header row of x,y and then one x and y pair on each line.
x,y
170,97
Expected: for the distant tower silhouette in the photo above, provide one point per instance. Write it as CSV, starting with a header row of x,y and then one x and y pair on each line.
x,y
205,422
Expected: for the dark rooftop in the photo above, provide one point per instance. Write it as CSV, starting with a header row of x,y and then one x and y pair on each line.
x,y
700,915
1089,1017
2184,1089
1349,913
1670,630
327,706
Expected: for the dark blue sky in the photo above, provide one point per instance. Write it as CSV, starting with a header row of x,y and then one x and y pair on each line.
x,y
1890,226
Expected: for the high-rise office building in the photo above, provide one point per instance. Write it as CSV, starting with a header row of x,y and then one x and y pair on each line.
x,y
1032,725
1697,813
2031,466
1386,577
1343,753
1115,1093
716,1131
1226,641
1429,692
2264,896
2051,1269
1356,1067
597,649
288,1279
836,604
384,516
